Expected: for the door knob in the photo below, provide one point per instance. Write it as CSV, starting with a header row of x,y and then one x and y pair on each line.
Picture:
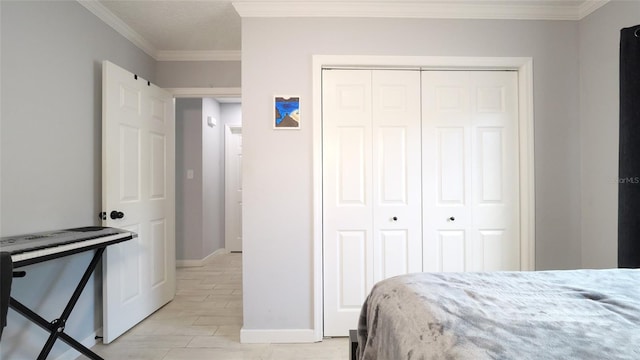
x,y
395,218
116,215
451,219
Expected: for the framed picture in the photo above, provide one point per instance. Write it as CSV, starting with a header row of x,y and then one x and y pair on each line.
x,y
286,112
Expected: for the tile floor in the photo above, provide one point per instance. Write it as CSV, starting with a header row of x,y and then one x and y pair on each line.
x,y
203,322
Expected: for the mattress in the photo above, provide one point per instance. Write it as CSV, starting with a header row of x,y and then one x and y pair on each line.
x,y
576,314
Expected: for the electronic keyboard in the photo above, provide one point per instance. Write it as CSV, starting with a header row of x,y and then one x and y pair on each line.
x,y
34,248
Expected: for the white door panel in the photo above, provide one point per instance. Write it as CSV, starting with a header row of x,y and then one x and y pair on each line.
x,y
371,186
470,145
347,199
451,165
352,279
452,255
138,180
396,173
394,255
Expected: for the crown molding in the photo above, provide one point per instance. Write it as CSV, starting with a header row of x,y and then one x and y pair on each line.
x,y
429,10
376,9
118,25
197,55
108,17
590,6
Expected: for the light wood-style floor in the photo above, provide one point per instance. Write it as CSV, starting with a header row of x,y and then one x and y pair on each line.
x,y
204,321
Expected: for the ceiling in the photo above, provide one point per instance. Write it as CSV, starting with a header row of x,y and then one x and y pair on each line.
x,y
210,29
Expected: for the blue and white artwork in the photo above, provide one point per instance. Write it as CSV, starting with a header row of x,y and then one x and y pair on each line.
x,y
287,112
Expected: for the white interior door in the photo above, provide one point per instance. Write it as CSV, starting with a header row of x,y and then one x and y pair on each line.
x,y
470,167
138,155
233,188
371,186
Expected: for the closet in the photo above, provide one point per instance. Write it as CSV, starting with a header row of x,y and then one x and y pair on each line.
x,y
420,173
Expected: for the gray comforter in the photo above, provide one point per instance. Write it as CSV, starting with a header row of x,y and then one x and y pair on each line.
x,y
581,314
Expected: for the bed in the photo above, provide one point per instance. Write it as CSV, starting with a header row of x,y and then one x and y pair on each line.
x,y
576,314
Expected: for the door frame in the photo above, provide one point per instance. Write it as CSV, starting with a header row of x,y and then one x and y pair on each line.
x,y
196,93
524,68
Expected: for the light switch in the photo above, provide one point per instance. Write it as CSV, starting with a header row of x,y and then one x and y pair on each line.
x,y
211,121
190,174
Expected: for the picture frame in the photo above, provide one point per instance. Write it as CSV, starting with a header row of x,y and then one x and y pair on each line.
x,y
286,112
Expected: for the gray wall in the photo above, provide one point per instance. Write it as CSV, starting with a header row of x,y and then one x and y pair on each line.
x,y
213,178
231,113
175,74
599,126
278,268
189,191
51,150
199,201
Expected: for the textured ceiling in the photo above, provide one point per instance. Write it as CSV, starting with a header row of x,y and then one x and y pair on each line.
x,y
181,25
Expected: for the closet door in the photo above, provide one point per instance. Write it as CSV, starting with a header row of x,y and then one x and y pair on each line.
x,y
470,167
371,186
397,211
347,197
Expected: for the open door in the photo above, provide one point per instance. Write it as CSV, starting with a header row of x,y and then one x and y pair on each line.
x,y
138,194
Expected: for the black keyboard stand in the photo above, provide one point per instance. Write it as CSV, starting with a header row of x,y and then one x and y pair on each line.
x,y
56,327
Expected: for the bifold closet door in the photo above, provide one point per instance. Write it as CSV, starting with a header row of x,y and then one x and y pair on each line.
x,y
371,186
470,171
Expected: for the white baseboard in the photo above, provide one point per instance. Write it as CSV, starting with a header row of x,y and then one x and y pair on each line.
x,y
89,342
273,336
196,263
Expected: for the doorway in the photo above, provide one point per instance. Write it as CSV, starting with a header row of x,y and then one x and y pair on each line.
x,y
200,176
